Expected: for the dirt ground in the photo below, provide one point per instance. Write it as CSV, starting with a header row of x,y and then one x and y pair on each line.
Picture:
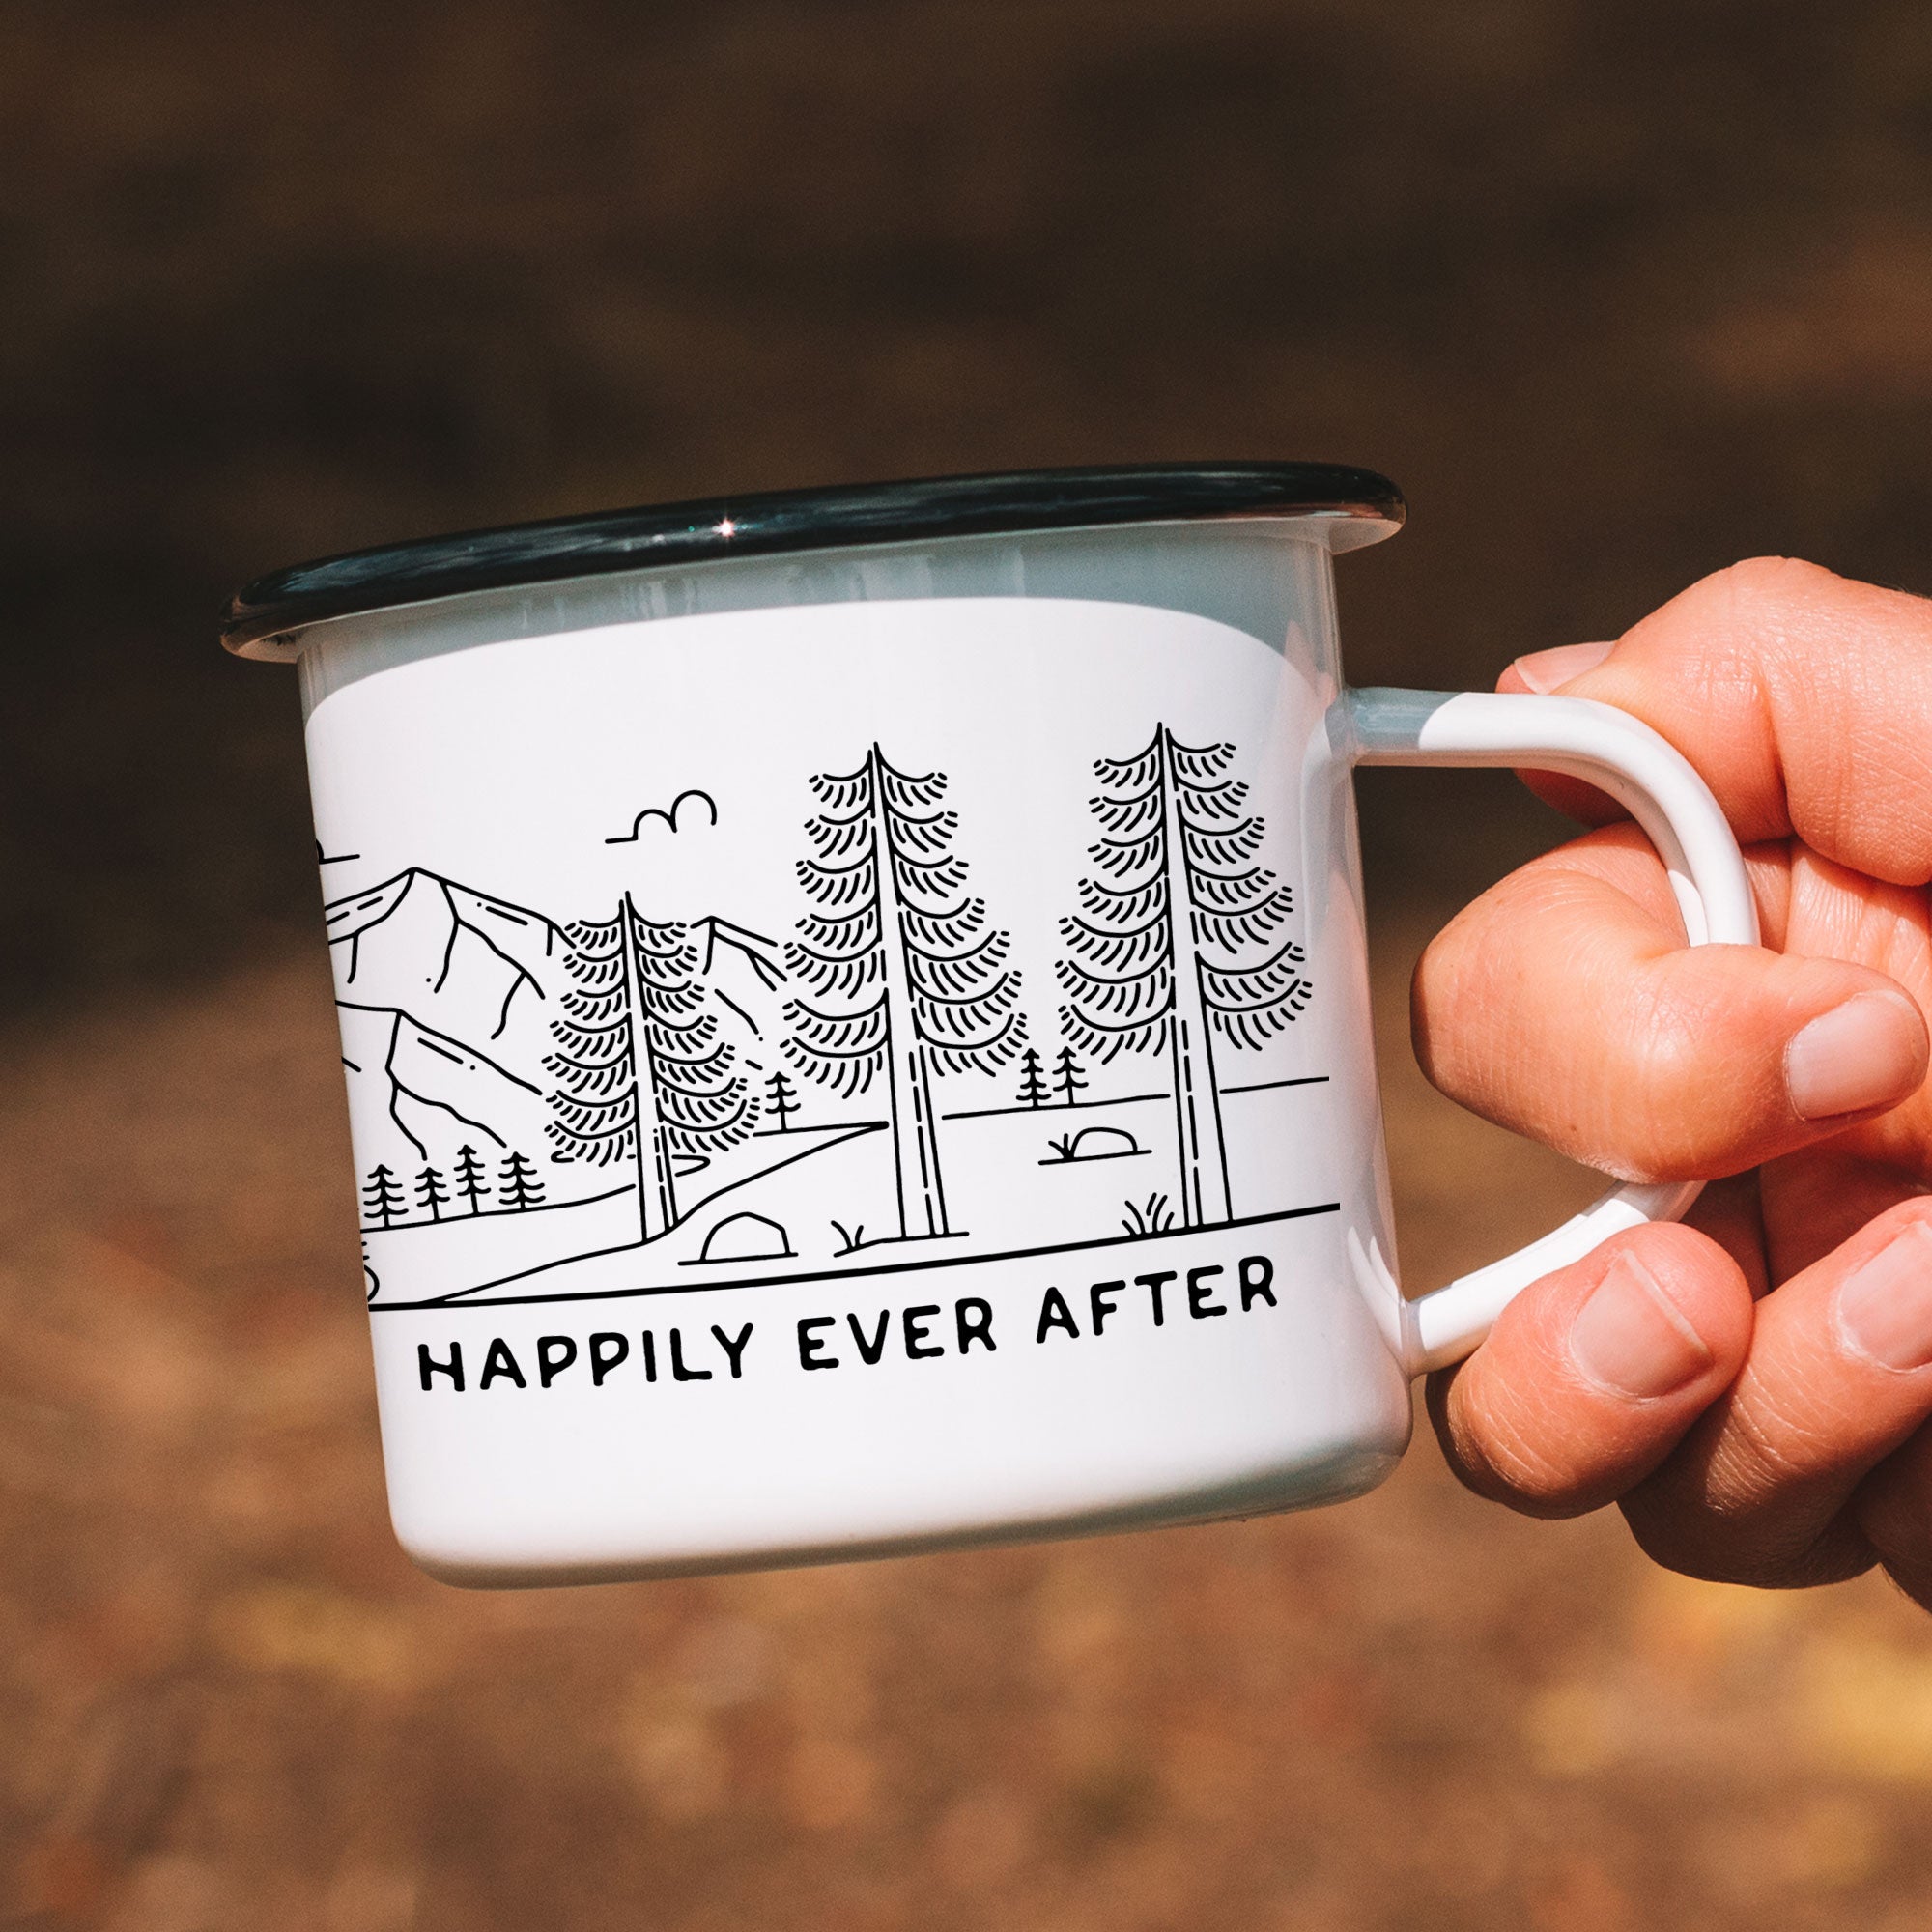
x,y
1617,293
231,1703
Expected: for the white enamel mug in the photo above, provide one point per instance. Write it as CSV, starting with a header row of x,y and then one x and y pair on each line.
x,y
856,1013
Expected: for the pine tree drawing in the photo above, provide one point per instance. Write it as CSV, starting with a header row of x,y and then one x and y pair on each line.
x,y
904,977
518,1185
1070,1077
1171,947
383,1199
644,1071
1033,1088
431,1193
780,1097
471,1184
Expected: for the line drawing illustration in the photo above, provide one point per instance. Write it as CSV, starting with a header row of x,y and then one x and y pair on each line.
x,y
1115,1239
1161,954
904,974
842,1073
642,1069
668,813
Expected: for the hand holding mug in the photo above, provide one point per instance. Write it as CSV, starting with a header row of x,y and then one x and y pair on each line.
x,y
1753,1387
855,1011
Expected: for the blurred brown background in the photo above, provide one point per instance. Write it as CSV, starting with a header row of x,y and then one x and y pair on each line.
x,y
1616,291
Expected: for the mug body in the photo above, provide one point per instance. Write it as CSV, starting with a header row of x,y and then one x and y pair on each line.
x,y
858,1050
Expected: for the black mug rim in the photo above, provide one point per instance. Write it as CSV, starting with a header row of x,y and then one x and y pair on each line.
x,y
263,616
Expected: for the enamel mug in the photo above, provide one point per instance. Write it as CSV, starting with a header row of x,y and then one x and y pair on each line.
x,y
856,1013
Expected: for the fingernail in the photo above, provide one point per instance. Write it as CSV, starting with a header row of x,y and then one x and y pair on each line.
x,y
1632,1339
1543,670
1868,1053
1885,1305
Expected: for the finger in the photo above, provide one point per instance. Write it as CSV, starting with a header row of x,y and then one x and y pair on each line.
x,y
1564,1005
1593,1375
1731,1214
1838,1378
1545,673
1893,1508
1815,1202
1802,698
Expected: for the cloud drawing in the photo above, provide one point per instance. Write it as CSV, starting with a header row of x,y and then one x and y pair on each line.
x,y
669,815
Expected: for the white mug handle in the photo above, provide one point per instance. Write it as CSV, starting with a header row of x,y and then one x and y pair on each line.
x,y
1655,783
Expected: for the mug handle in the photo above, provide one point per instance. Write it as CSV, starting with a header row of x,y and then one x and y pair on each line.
x,y
1658,788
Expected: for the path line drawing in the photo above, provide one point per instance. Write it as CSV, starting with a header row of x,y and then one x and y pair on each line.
x,y
456,1301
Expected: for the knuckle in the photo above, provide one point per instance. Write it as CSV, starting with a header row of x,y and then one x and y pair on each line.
x,y
1767,1453
1714,1551
1758,592
1757,1507
1693,1092
1892,1510
1670,1129
1745,629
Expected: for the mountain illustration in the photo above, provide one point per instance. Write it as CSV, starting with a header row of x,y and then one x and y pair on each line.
x,y
444,995
747,972
422,1096
447,997
459,962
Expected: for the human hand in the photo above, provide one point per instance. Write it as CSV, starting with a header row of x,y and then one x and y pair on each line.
x,y
1752,1388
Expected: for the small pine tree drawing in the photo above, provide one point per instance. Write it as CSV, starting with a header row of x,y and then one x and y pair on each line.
x,y
518,1185
431,1193
383,1199
1033,1088
1070,1077
781,1098
471,1183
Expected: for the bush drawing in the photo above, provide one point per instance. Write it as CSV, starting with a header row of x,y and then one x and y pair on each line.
x,y
1093,1144
747,1237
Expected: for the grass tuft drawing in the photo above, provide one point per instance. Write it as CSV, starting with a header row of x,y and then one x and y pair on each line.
x,y
1152,1217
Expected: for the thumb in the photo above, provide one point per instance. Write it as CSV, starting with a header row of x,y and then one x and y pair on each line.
x,y
1594,1374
